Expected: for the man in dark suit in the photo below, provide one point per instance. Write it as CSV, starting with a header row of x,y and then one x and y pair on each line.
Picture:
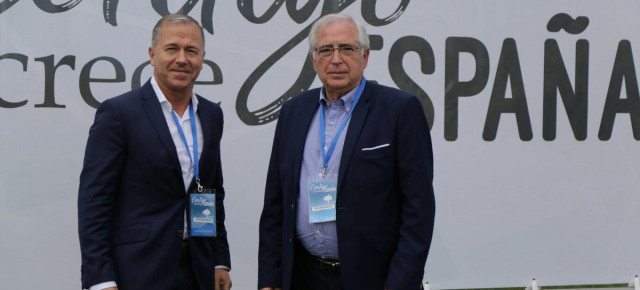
x,y
349,201
153,154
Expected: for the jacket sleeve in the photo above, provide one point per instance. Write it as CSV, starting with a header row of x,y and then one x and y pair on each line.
x,y
223,256
103,160
271,220
415,171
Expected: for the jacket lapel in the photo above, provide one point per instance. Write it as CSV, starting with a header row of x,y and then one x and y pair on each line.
x,y
151,106
356,123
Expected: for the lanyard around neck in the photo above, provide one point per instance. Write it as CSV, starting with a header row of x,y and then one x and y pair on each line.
x,y
326,154
194,134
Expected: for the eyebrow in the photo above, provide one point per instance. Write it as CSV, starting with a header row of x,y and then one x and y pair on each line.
x,y
339,45
175,44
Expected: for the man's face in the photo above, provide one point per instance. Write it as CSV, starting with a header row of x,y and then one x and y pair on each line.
x,y
177,57
339,74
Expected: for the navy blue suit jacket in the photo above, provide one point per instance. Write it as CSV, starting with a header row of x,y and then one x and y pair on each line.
x,y
132,198
385,206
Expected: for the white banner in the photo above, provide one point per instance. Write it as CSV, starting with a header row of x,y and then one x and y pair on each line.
x,y
534,107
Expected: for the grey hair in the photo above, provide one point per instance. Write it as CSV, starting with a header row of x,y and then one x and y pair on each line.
x,y
363,37
173,18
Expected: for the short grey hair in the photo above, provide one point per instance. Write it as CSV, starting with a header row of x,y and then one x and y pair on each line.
x,y
363,37
173,18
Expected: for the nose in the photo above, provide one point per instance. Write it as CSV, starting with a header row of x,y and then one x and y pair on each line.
x,y
336,57
181,57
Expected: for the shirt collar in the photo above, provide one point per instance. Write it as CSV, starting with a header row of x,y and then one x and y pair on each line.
x,y
347,99
163,99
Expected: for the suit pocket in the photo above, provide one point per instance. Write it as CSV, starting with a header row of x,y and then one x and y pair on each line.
x,y
375,147
375,152
386,244
131,234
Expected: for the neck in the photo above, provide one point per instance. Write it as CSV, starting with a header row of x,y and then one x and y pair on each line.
x,y
179,104
332,95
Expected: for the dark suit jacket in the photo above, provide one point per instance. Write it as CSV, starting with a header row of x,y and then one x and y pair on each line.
x,y
385,205
131,200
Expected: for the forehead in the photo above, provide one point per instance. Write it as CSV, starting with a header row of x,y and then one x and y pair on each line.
x,y
180,32
340,31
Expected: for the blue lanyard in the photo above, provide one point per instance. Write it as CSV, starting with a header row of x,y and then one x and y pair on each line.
x,y
194,134
326,154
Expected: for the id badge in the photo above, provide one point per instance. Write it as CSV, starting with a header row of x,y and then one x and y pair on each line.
x,y
322,199
202,208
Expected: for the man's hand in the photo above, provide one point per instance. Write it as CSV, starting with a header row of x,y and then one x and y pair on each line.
x,y
223,280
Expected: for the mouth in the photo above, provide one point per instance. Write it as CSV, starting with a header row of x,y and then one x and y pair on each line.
x,y
337,73
181,72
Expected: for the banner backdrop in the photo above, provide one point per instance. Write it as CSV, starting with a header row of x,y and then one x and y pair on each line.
x,y
534,108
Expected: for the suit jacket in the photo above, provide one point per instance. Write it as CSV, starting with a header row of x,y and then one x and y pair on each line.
x,y
131,200
385,206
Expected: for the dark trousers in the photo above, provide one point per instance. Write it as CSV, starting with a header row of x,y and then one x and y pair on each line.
x,y
309,273
188,276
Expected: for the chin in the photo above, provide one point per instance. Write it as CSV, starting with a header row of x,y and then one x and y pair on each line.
x,y
338,85
180,83
179,87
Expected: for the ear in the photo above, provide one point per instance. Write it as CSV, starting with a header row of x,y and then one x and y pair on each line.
x,y
311,57
365,57
151,54
313,61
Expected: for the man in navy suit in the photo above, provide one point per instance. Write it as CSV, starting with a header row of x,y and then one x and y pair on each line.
x,y
153,154
349,201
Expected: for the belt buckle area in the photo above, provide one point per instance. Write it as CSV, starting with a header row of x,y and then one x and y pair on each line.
x,y
329,265
184,246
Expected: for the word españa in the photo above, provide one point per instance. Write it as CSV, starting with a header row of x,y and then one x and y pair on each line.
x,y
556,79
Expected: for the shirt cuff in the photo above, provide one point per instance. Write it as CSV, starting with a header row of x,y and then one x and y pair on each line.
x,y
104,285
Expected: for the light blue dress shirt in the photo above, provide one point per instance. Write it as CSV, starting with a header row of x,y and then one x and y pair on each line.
x,y
321,239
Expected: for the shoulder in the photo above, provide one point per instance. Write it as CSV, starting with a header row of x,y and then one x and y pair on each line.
x,y
388,96
311,95
208,110
131,97
207,104
303,99
383,91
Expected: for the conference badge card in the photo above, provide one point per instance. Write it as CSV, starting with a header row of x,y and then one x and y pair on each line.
x,y
203,215
322,200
